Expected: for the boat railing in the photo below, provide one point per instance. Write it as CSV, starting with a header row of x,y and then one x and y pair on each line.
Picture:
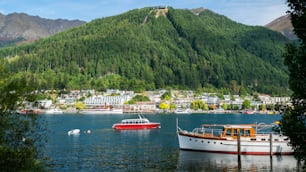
x,y
211,131
278,134
218,132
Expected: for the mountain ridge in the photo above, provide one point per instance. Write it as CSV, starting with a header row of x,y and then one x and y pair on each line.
x,y
16,27
283,25
138,50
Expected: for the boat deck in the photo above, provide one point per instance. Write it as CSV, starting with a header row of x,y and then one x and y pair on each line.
x,y
204,135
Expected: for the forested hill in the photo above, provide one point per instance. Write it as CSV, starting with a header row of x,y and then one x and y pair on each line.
x,y
150,48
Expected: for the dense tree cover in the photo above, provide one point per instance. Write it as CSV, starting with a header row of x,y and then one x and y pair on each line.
x,y
166,96
293,122
80,105
199,104
246,104
149,48
18,134
139,98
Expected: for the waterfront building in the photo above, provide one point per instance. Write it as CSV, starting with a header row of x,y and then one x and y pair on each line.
x,y
115,101
140,107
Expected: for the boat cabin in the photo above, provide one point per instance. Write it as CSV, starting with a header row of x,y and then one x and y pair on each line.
x,y
243,130
135,121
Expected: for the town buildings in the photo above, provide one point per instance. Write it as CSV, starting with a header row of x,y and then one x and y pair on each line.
x,y
182,99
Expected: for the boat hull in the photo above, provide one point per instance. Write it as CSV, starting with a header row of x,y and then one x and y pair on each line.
x,y
136,126
188,142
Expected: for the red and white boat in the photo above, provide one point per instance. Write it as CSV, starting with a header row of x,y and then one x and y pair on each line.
x,y
136,124
234,139
29,111
249,112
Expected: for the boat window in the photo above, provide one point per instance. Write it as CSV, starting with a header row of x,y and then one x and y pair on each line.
x,y
247,132
263,139
235,132
228,132
241,132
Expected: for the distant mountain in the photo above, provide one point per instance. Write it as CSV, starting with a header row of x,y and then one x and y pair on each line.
x,y
17,27
156,47
284,26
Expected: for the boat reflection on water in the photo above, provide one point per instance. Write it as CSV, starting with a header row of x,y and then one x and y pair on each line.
x,y
142,133
203,161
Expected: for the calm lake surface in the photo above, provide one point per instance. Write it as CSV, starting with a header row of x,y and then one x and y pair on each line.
x,y
105,149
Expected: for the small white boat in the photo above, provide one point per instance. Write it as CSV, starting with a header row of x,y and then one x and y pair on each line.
x,y
74,132
234,139
54,111
182,111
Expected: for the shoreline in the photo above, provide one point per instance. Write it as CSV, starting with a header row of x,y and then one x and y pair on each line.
x,y
172,113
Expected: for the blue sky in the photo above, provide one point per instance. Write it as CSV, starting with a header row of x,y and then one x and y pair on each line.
x,y
250,12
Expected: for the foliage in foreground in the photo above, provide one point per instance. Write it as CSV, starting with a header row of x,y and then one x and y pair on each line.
x,y
18,139
294,120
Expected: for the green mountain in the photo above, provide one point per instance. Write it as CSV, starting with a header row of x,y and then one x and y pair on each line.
x,y
154,48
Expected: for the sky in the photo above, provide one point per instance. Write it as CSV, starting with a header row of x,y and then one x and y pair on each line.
x,y
249,12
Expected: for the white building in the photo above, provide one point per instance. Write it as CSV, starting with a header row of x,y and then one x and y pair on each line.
x,y
45,104
116,101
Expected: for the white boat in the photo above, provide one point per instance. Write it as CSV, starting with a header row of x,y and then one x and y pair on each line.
x,y
234,139
74,132
54,111
182,111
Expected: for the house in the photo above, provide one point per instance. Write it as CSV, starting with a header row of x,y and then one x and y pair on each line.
x,y
140,107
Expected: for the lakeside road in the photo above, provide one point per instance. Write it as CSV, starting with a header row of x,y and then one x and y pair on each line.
x,y
74,111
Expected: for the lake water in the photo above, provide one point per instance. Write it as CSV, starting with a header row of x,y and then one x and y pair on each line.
x,y
105,149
